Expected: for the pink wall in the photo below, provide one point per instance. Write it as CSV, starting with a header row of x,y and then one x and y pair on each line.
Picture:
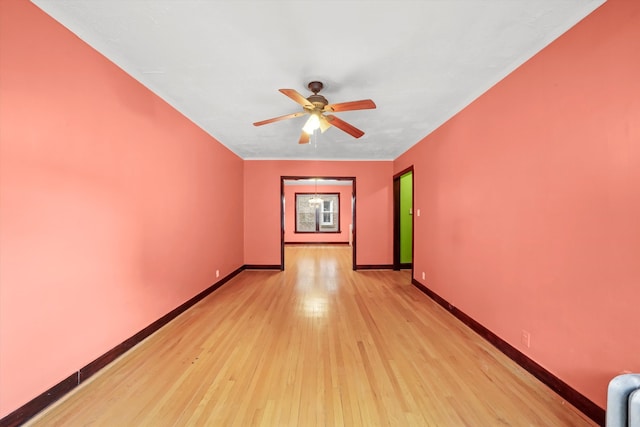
x,y
530,203
110,210
290,236
374,192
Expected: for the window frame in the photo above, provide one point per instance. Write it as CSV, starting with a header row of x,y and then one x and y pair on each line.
x,y
320,226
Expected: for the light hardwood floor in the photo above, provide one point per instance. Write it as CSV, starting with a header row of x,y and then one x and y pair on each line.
x,y
315,345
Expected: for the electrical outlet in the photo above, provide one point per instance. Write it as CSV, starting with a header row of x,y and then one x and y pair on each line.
x,y
525,339
217,273
423,276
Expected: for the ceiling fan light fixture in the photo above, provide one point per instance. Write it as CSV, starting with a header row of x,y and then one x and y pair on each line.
x,y
316,106
312,124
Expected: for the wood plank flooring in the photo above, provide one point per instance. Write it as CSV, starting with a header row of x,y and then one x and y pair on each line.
x,y
315,345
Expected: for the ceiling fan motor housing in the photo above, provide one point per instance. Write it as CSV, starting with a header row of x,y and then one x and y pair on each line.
x,y
318,101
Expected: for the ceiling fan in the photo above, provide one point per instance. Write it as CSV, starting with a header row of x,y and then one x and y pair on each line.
x,y
316,106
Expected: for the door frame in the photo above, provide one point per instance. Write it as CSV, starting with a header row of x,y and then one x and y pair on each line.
x,y
397,265
353,211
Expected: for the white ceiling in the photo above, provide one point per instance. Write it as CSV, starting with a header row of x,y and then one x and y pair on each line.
x,y
221,62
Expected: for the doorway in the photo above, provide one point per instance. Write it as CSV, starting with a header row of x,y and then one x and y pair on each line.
x,y
403,220
287,207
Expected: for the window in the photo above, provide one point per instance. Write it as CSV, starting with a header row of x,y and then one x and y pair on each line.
x,y
327,212
321,216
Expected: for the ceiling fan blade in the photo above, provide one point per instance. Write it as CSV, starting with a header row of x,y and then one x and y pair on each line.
x,y
277,119
304,138
293,94
344,126
324,123
364,104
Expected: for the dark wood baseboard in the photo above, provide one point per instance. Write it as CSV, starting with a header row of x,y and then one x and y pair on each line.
x,y
262,267
568,393
34,406
31,408
374,267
